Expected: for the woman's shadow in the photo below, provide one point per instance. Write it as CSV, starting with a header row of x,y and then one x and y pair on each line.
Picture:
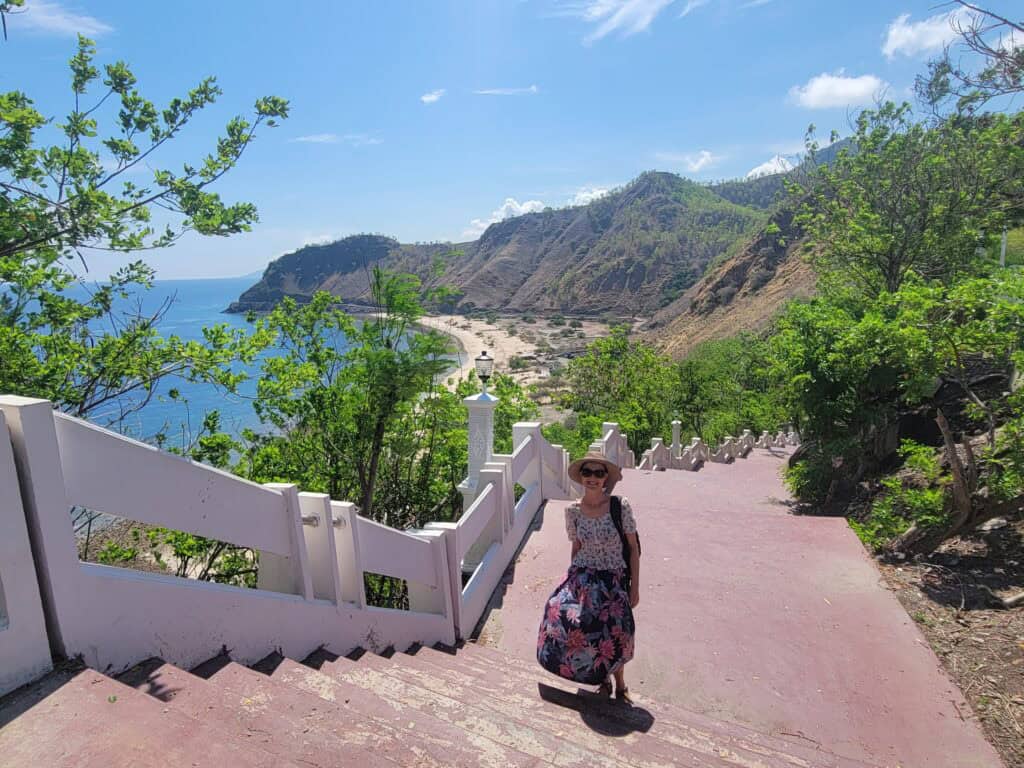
x,y
608,717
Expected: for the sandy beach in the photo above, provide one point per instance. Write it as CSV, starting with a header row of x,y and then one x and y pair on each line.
x,y
525,350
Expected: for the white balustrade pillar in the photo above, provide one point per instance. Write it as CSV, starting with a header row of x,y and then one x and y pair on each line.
x,y
611,445
481,442
288,574
24,647
48,520
321,547
345,522
521,431
677,448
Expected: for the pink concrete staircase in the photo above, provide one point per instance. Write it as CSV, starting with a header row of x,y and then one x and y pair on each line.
x,y
469,706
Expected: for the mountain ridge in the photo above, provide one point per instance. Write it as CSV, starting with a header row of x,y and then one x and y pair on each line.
x,y
629,252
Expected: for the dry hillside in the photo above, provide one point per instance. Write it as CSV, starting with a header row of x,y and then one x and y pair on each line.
x,y
743,293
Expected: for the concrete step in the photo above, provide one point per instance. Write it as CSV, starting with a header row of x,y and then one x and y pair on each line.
x,y
262,712
428,740
609,728
675,725
470,715
83,719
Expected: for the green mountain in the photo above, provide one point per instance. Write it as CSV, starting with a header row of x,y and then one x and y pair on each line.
x,y
628,253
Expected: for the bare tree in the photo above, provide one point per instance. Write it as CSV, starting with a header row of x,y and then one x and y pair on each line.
x,y
998,40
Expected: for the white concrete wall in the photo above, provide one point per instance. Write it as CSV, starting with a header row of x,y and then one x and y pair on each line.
x,y
24,647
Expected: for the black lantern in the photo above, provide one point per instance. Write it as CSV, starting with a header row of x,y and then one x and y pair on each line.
x,y
484,366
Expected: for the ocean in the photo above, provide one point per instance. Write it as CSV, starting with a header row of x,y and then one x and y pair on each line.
x,y
194,304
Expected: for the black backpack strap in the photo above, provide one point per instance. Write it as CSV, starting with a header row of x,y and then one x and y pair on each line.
x,y
615,507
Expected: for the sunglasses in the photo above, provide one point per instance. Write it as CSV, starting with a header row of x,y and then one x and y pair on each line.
x,y
598,473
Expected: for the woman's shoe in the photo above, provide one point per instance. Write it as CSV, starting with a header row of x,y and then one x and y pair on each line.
x,y
623,695
605,689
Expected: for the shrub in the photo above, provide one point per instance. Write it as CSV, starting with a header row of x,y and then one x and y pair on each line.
x,y
901,503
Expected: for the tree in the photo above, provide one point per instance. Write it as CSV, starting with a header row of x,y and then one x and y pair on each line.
x,y
623,381
338,385
725,386
998,41
60,338
980,319
906,198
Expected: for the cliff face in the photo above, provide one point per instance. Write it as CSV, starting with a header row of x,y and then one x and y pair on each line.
x,y
743,293
630,252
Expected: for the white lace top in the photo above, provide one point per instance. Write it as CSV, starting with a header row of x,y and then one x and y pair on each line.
x,y
600,543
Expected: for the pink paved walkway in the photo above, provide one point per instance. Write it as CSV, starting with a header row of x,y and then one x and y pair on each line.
x,y
751,614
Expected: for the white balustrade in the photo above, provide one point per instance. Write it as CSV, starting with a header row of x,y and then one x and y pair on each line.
x,y
485,539
313,556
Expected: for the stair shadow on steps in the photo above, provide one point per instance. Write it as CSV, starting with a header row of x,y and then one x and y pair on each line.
x,y
607,717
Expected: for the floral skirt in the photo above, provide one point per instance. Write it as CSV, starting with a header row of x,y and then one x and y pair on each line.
x,y
587,629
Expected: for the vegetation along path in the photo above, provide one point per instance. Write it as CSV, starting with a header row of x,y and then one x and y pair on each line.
x,y
753,614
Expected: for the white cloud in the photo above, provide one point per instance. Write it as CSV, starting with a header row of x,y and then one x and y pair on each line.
x,y
511,207
624,16
352,139
932,34
50,18
838,90
691,6
507,91
586,195
694,162
433,96
754,4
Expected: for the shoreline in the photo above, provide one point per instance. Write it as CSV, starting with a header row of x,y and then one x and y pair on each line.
x,y
532,352
473,336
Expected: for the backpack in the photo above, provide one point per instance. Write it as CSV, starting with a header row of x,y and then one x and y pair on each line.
x,y
615,508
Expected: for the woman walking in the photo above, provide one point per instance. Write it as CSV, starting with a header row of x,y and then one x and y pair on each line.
x,y
586,634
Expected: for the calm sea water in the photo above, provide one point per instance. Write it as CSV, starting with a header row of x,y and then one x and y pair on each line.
x,y
194,304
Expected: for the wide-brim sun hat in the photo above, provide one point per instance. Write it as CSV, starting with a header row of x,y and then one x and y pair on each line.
x,y
613,469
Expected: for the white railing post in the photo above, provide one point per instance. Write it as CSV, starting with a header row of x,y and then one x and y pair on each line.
x,y
481,442
677,448
24,646
498,474
522,431
610,443
344,523
321,547
429,599
48,515
446,533
503,464
288,573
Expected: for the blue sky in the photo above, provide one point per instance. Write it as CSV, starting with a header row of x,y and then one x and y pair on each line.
x,y
428,119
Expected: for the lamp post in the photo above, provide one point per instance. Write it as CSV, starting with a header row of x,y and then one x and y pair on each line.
x,y
481,446
484,364
481,428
